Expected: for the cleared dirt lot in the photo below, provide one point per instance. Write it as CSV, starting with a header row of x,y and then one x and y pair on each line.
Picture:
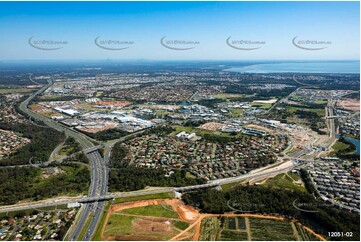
x,y
350,104
142,220
124,222
211,126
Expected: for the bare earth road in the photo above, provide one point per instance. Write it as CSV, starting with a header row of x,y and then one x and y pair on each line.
x,y
99,178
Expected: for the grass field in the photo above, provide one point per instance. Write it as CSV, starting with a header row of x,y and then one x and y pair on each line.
x,y
324,101
320,111
141,227
339,146
305,234
128,227
293,150
228,96
261,105
293,118
235,113
233,229
294,176
180,224
161,112
291,109
89,107
283,181
153,210
99,94
230,235
66,150
15,90
144,197
269,229
210,229
117,223
258,229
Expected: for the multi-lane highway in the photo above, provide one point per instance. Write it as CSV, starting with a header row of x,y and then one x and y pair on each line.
x,y
99,169
98,189
101,189
330,118
330,124
99,178
257,174
98,207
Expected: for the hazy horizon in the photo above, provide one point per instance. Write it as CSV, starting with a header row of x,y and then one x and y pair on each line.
x,y
250,31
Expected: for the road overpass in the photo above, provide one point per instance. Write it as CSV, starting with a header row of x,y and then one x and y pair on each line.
x,y
99,180
91,149
101,198
195,187
270,170
343,116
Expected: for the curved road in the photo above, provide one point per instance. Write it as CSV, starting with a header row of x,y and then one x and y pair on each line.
x,y
99,173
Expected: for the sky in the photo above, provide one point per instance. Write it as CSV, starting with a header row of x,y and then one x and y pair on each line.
x,y
205,26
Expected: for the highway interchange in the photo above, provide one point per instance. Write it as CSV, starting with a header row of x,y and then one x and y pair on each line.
x,y
98,186
93,204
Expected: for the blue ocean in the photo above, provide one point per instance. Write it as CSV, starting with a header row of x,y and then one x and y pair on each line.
x,y
351,67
